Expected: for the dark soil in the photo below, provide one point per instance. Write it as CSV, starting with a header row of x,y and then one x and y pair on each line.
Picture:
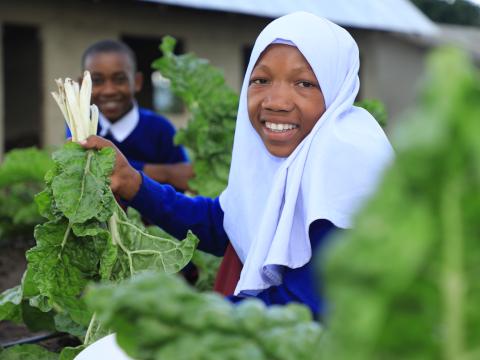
x,y
13,262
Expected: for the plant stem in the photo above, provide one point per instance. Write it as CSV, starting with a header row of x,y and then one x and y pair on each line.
x,y
65,238
453,276
90,329
116,239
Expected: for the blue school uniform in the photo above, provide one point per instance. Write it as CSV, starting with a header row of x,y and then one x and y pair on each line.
x,y
144,137
177,213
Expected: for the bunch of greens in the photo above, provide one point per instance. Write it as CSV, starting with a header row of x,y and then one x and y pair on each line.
x,y
161,317
21,177
213,109
87,237
404,283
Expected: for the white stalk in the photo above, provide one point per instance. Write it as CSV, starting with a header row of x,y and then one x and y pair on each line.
x,y
74,103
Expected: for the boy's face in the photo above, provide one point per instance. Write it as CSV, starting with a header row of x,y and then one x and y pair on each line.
x,y
114,83
284,99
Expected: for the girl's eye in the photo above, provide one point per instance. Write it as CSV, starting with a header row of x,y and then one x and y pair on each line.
x,y
306,84
258,81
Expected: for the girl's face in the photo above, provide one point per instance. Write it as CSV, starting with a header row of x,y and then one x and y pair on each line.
x,y
284,99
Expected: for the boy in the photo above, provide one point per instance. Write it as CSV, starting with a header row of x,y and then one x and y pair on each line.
x,y
144,137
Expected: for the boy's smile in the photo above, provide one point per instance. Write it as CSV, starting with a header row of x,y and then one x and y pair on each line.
x,y
284,99
114,83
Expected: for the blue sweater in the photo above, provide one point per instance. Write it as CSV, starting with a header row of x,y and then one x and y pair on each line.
x,y
151,142
177,213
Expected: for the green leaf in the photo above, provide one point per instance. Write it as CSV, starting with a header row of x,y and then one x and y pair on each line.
x,y
27,352
24,165
213,108
35,319
404,281
144,251
10,301
69,353
159,316
81,190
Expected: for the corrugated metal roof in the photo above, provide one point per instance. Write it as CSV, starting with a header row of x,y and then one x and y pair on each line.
x,y
390,15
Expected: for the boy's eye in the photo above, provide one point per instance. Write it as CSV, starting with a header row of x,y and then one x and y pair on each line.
x,y
97,81
120,79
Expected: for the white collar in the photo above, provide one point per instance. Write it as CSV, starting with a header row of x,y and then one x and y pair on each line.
x,y
123,127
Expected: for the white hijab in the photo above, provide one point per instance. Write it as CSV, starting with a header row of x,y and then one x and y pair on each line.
x,y
270,202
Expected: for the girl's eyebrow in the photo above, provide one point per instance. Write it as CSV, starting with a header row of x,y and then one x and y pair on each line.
x,y
295,70
260,66
301,69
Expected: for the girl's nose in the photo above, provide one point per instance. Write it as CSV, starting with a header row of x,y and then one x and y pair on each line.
x,y
278,98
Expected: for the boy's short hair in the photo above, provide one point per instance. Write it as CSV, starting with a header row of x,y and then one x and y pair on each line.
x,y
109,46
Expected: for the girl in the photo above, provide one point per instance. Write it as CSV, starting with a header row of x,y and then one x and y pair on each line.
x,y
303,160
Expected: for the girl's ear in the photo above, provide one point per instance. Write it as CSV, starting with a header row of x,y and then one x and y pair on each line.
x,y
138,81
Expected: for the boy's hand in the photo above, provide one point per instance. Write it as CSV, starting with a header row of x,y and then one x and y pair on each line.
x,y
174,174
125,180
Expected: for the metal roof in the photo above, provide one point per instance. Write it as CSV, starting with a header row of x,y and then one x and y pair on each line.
x,y
389,15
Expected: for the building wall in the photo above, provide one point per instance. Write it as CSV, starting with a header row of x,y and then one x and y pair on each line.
x,y
67,28
391,65
391,70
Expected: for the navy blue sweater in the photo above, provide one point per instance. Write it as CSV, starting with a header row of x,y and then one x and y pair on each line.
x,y
177,213
151,142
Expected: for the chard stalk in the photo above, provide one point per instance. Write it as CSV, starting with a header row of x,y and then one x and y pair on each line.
x,y
88,335
74,103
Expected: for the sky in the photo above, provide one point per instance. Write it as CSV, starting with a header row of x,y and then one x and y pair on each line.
x,y
475,2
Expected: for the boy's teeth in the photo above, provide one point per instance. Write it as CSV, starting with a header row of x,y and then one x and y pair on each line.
x,y
279,127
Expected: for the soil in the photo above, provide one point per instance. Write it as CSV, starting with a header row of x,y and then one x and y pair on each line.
x,y
13,262
12,266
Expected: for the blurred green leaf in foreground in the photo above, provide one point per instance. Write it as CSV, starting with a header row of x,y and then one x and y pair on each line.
x,y
404,283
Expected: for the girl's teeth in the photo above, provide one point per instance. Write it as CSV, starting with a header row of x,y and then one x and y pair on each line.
x,y
279,127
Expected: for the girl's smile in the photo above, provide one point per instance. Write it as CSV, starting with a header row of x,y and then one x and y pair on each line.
x,y
284,99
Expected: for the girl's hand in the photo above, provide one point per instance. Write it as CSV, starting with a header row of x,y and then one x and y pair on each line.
x,y
125,180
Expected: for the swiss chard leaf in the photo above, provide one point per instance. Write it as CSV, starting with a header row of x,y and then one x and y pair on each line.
x,y
87,237
156,316
27,352
213,108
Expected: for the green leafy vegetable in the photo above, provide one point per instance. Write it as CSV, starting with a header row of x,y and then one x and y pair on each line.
x,y
404,282
27,352
376,108
21,176
87,237
157,316
213,108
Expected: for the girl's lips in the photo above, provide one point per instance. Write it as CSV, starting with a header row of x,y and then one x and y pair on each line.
x,y
278,135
